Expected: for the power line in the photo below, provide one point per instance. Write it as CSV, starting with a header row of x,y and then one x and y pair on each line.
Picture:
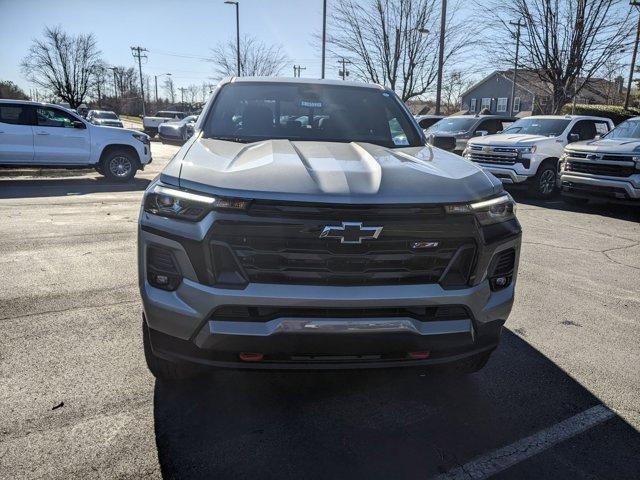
x,y
137,53
344,73
296,70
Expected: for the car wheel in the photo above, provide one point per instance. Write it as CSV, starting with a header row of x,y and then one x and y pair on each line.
x,y
119,165
544,181
99,169
164,369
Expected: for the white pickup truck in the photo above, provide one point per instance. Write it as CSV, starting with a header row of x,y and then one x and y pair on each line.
x,y
152,123
44,135
529,149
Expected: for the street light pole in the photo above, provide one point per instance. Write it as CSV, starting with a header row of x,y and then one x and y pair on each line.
x,y
515,66
115,83
633,3
443,21
237,5
324,33
155,77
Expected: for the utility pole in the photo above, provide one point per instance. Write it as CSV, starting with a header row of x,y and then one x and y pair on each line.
x,y
137,53
515,66
443,22
344,73
237,5
297,69
115,83
633,3
182,89
324,33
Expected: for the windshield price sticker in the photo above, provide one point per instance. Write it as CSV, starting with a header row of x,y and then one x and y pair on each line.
x,y
310,104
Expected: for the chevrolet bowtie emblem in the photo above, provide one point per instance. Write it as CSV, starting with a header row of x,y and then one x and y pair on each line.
x,y
350,232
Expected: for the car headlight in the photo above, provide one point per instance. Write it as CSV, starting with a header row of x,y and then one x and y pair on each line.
x,y
143,137
527,150
173,203
488,212
636,159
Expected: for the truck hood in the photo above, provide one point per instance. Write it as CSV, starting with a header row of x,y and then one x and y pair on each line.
x,y
328,172
621,145
509,139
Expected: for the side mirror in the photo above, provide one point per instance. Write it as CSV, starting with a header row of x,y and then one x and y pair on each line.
x,y
597,137
481,133
79,124
445,143
574,137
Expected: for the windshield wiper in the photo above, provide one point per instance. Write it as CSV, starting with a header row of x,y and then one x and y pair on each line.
x,y
229,139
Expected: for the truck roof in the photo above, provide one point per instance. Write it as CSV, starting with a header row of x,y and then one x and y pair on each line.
x,y
302,81
568,117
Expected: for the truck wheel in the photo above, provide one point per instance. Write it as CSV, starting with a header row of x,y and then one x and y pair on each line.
x,y
164,369
119,165
544,182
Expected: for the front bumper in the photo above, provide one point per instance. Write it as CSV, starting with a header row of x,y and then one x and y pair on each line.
x,y
614,189
183,327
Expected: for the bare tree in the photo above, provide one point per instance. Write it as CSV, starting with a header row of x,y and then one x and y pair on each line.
x,y
395,42
256,58
62,63
193,91
453,86
170,89
566,42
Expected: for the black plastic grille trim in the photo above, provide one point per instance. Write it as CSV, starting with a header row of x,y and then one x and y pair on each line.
x,y
610,170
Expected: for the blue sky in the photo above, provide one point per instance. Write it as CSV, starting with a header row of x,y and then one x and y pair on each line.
x,y
184,27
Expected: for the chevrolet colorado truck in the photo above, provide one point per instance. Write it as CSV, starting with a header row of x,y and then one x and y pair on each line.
x,y
36,134
527,152
606,168
333,242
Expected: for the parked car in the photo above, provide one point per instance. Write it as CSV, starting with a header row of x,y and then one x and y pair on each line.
x,y
464,127
607,167
46,135
150,124
334,244
426,121
178,131
104,118
527,152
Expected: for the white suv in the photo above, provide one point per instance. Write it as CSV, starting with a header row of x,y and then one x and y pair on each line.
x,y
39,134
529,150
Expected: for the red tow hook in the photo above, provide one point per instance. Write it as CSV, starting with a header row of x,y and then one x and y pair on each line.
x,y
251,357
419,355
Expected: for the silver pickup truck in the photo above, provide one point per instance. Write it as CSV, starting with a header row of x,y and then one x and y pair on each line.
x,y
307,225
152,123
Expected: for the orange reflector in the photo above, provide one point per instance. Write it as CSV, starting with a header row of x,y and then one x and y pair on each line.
x,y
419,355
251,357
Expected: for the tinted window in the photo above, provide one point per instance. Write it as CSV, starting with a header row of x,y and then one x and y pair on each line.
x,y
453,125
52,117
331,113
109,115
627,129
585,129
549,127
15,114
427,122
168,115
492,126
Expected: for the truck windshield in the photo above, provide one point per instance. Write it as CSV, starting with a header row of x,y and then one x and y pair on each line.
x,y
548,127
627,129
453,125
247,112
167,114
109,115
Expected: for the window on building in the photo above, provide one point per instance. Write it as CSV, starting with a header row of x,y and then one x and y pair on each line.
x,y
472,105
486,103
502,104
516,104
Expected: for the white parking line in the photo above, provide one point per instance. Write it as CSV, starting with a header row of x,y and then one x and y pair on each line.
x,y
494,462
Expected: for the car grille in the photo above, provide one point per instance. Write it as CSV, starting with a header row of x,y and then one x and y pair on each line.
x,y
606,157
290,251
498,155
609,170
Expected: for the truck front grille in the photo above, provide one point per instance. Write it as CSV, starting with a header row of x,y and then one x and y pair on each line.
x,y
290,251
497,155
609,170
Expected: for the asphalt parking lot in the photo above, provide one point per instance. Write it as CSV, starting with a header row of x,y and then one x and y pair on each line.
x,y
76,399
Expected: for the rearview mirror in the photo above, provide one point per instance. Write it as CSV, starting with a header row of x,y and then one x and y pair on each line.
x,y
574,137
79,124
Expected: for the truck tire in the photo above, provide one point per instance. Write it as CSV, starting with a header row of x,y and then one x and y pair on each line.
x,y
119,165
164,369
543,184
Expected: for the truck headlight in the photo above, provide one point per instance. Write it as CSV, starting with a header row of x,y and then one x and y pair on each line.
x,y
488,212
527,150
174,203
636,159
143,137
